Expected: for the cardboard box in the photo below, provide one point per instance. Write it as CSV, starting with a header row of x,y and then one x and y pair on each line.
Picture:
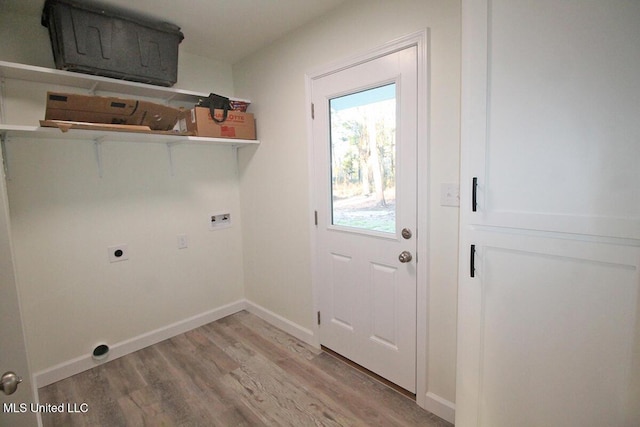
x,y
238,125
110,110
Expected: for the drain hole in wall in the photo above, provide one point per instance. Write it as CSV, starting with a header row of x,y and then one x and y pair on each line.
x,y
100,352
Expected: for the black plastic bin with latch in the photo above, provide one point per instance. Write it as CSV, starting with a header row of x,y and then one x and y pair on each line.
x,y
90,39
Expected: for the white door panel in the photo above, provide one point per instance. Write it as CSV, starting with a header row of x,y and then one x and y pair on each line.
x,y
557,123
343,297
555,325
366,295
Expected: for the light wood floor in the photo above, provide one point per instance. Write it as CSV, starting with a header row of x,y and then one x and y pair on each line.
x,y
238,371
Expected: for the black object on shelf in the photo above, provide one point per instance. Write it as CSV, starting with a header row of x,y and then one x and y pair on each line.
x,y
90,39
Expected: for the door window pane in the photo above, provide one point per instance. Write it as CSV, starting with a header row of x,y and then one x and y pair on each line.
x,y
363,154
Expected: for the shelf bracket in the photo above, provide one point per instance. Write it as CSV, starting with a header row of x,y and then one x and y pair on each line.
x,y
2,105
236,155
92,89
170,154
97,146
168,100
5,157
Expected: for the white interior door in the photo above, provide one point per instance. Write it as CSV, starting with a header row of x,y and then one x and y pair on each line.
x,y
13,356
365,142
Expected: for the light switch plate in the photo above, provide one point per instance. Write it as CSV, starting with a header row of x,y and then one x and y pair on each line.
x,y
449,194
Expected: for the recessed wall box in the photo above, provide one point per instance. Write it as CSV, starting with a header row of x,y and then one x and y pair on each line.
x,y
218,221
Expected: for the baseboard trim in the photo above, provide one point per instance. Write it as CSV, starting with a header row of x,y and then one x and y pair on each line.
x,y
85,362
301,333
440,407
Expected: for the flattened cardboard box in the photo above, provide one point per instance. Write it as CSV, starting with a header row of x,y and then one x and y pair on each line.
x,y
110,110
238,125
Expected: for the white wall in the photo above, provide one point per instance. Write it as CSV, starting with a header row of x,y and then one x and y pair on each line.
x,y
64,216
274,177
24,40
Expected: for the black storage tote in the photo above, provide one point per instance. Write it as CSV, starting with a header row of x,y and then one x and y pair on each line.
x,y
92,40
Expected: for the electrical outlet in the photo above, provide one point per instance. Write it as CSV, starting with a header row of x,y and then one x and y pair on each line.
x,y
118,253
218,221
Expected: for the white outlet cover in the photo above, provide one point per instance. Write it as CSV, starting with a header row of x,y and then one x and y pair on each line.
x,y
118,253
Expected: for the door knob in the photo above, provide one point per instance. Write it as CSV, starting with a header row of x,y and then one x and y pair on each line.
x,y
9,382
405,256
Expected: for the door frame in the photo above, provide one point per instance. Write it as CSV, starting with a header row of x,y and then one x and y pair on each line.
x,y
420,40
10,303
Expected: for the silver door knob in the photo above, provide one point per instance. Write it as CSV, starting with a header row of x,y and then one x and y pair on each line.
x,y
405,256
10,382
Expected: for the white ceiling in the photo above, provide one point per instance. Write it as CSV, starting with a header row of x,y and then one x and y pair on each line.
x,y
225,30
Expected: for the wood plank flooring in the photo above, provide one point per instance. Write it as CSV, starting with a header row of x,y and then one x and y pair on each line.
x,y
238,371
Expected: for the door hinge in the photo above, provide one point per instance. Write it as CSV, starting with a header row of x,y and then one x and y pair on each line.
x,y
315,217
313,111
318,318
